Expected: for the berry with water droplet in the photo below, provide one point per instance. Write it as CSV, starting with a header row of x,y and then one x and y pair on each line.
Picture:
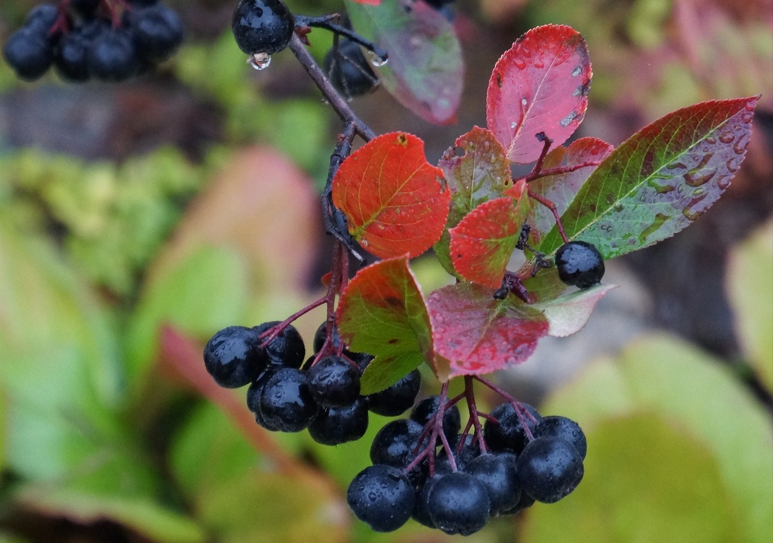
x,y
498,474
565,429
427,408
334,381
398,398
549,468
336,425
286,349
580,264
262,26
382,497
233,357
508,434
286,402
458,504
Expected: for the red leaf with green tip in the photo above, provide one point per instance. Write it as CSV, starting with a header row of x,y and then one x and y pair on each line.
x,y
581,157
382,312
395,202
425,70
660,180
482,243
539,85
480,173
477,334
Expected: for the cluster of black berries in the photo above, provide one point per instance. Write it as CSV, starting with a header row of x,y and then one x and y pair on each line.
x,y
108,40
528,458
288,395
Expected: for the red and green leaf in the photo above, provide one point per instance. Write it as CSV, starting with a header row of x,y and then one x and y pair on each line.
x,y
474,333
382,312
578,161
425,70
477,171
482,243
660,180
540,84
395,202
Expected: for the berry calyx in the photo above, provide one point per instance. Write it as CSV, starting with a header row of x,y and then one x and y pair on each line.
x,y
398,398
549,469
334,382
382,497
579,264
262,26
458,504
233,357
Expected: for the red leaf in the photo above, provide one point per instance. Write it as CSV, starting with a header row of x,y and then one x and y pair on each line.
x,y
540,84
477,334
395,202
482,243
368,2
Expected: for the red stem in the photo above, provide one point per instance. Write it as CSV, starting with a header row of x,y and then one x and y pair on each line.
x,y
552,207
472,406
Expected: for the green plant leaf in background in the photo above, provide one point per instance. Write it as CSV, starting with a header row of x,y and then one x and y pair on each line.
x,y
750,287
679,452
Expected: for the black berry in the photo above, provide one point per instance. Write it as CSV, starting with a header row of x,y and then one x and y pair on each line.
x,y
336,425
396,399
349,70
525,502
426,409
579,264
395,443
321,335
41,18
565,429
458,504
462,457
497,473
334,381
157,32
549,469
508,435
112,56
286,402
382,497
262,26
71,57
29,53
421,509
285,350
253,399
84,8
233,357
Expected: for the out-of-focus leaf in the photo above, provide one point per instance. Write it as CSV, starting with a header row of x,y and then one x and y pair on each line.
x,y
540,85
395,202
425,70
750,286
666,395
382,312
660,180
474,333
569,313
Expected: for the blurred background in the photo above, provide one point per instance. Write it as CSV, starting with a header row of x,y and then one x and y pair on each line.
x,y
138,219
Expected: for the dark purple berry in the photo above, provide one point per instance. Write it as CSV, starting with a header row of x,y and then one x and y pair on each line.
x,y
336,425
508,435
396,445
469,451
286,402
71,56
579,264
382,497
525,502
420,510
41,18
549,468
157,32
112,56
233,357
426,409
348,70
398,398
253,399
321,335
285,350
458,504
29,53
565,429
334,382
84,8
497,473
262,26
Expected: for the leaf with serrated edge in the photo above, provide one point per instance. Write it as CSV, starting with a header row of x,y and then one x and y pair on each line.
x,y
382,312
568,314
584,154
425,72
480,173
540,84
478,334
482,243
660,180
395,202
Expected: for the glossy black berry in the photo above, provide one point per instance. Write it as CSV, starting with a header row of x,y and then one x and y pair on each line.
x,y
579,264
71,57
157,32
497,473
398,398
549,468
262,26
29,53
336,425
469,451
348,70
426,409
565,429
382,497
321,335
285,350
253,399
421,509
395,443
334,381
41,18
233,357
286,402
508,434
112,56
525,502
458,504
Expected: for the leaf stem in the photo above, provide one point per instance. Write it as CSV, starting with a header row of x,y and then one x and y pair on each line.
x,y
552,207
473,408
326,22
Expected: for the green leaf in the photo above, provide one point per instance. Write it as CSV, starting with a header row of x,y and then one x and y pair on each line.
x,y
750,287
382,312
664,393
567,314
660,180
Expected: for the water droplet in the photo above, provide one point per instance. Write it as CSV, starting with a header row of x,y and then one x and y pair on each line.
x,y
443,103
568,119
513,125
727,137
539,64
690,212
524,101
747,117
711,141
741,144
733,165
376,60
737,127
699,191
724,181
519,63
259,61
577,71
